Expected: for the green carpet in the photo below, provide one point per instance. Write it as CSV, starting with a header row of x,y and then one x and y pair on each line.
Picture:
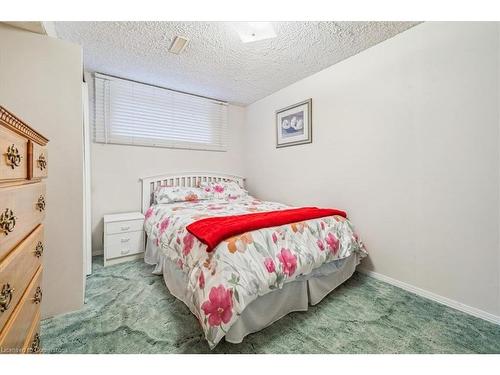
x,y
129,310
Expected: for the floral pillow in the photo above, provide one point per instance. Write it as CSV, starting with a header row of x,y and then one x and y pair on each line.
x,y
171,194
223,190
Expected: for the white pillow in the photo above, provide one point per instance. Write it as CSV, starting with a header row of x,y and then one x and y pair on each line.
x,y
224,190
172,194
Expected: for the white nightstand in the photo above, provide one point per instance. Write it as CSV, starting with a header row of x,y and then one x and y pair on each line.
x,y
123,237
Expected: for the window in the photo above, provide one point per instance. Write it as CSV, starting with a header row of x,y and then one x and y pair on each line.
x,y
132,113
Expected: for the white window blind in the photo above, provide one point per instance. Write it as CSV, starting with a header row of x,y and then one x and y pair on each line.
x,y
132,113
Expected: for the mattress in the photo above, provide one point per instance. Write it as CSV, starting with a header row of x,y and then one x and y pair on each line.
x,y
218,286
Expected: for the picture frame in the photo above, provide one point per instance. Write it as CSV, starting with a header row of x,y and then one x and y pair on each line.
x,y
294,124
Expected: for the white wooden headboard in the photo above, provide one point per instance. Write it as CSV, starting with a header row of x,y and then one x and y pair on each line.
x,y
190,179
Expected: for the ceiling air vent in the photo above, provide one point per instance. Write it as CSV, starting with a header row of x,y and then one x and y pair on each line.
x,y
178,45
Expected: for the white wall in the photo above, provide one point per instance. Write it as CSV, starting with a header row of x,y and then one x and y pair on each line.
x,y
116,169
40,81
406,139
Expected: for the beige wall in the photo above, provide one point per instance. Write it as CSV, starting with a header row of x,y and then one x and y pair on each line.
x,y
405,138
116,169
40,81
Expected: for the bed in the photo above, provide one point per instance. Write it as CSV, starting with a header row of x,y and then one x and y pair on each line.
x,y
252,279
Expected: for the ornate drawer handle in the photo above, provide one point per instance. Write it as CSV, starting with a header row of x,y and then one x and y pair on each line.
x,y
38,295
125,228
41,162
7,221
125,240
40,205
39,249
13,156
6,297
35,345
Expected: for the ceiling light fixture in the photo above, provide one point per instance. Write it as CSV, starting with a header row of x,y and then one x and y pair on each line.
x,y
178,45
254,31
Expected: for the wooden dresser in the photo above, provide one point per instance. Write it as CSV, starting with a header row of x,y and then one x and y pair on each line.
x,y
23,166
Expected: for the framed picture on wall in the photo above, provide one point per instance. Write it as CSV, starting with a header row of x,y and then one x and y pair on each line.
x,y
294,124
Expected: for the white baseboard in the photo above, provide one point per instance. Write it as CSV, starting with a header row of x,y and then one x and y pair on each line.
x,y
434,297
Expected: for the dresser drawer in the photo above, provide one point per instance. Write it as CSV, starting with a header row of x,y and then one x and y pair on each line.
x,y
32,344
39,161
123,244
14,156
17,270
124,226
22,208
15,333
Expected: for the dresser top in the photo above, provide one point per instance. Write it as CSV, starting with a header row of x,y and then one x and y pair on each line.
x,y
123,217
15,124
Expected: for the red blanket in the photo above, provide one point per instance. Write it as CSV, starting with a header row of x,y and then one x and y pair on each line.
x,y
214,230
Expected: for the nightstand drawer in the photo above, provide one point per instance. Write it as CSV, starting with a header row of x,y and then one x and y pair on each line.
x,y
124,226
123,244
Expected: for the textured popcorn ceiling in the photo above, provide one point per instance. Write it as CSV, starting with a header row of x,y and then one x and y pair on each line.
x,y
216,63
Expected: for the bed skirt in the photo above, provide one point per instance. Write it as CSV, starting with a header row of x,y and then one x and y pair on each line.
x,y
294,296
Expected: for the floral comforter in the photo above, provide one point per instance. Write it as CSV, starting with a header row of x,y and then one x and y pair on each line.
x,y
223,282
